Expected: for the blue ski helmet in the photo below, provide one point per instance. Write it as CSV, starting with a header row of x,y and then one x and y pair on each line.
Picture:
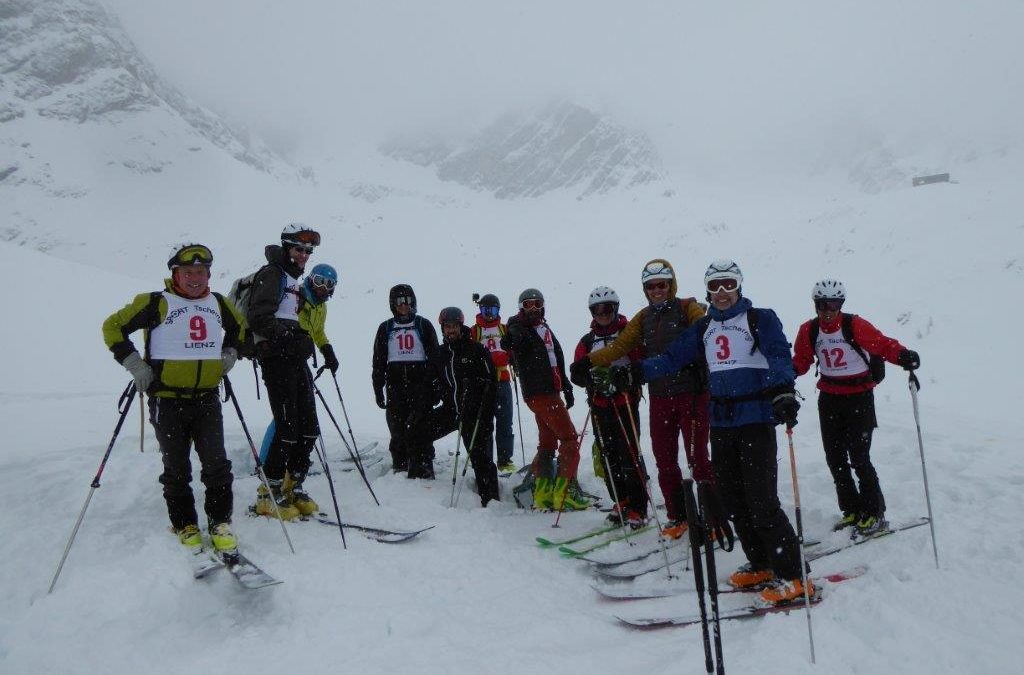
x,y
322,276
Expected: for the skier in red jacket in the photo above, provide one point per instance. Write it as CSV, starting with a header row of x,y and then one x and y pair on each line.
x,y
849,351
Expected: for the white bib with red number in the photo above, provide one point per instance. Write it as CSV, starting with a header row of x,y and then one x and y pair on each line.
x,y
490,337
404,344
602,341
191,330
727,345
289,306
549,342
836,357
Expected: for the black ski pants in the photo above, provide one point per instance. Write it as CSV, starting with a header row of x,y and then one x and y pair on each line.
x,y
179,423
614,433
290,390
444,420
746,472
409,420
847,423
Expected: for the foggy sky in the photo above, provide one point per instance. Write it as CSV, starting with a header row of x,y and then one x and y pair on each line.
x,y
713,83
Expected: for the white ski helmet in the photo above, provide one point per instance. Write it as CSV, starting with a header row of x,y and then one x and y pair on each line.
x,y
829,289
299,233
602,294
723,268
656,269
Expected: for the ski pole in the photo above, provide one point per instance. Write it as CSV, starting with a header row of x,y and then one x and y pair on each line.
x,y
800,537
615,491
355,446
695,526
229,390
355,458
579,444
321,454
915,385
469,451
142,424
124,404
519,414
703,501
455,466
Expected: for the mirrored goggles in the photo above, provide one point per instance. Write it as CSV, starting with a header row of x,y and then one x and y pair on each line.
x,y
715,285
304,248
532,303
196,254
320,281
490,312
310,237
404,300
827,305
604,308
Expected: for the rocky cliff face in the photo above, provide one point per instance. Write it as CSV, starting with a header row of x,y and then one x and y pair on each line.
x,y
563,147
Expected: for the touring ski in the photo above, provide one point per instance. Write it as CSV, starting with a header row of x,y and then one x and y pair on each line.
x,y
247,573
546,543
380,534
826,549
571,552
631,592
202,564
748,612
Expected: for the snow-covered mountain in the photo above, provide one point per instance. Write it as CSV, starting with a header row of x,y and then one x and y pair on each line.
x,y
564,146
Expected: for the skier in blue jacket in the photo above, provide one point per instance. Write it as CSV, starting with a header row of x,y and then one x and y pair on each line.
x,y
751,384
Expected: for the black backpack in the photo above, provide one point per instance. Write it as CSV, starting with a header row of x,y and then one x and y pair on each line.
x,y
876,364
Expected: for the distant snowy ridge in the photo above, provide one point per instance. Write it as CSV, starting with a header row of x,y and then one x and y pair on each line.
x,y
564,146
70,60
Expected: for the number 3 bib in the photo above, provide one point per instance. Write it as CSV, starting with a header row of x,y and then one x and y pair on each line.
x,y
727,345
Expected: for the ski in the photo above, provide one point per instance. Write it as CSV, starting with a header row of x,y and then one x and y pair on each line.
x,y
748,612
247,573
362,453
652,562
367,463
816,553
202,564
638,549
380,534
571,552
630,592
546,543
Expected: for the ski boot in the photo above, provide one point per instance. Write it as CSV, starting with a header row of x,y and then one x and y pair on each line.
x,y
786,592
223,539
300,499
507,468
265,502
190,538
847,520
542,494
563,498
749,577
870,525
674,529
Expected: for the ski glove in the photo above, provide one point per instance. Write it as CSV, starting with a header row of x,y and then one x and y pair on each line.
x,y
380,399
627,377
569,398
602,380
580,370
909,360
330,360
140,371
227,360
785,407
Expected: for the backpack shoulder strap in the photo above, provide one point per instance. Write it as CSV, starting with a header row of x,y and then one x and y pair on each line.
x,y
847,325
815,328
752,320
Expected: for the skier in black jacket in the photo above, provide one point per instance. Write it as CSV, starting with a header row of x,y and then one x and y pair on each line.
x,y
469,388
282,348
406,383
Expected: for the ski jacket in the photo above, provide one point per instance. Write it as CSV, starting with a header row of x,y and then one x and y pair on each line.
x,y
269,286
489,332
598,337
740,394
313,319
407,379
467,377
653,329
172,378
867,337
530,356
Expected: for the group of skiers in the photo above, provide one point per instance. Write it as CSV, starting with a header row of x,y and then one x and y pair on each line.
x,y
721,372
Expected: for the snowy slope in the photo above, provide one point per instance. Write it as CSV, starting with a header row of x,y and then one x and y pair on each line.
x,y
932,266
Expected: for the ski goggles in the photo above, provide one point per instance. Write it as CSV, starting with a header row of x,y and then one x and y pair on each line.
x,y
304,248
320,281
532,303
311,237
604,308
655,270
656,286
728,285
404,300
826,305
490,311
195,254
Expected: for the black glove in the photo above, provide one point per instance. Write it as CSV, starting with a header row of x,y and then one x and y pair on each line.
x,y
569,398
909,360
579,372
330,360
785,407
627,377
380,399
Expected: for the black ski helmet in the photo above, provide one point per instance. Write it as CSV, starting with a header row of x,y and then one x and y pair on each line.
x,y
530,294
401,291
451,315
489,300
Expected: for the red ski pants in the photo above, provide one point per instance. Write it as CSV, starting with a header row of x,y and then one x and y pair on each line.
x,y
555,431
687,413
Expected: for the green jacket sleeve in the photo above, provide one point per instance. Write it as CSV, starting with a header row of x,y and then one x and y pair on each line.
x,y
312,319
234,324
141,313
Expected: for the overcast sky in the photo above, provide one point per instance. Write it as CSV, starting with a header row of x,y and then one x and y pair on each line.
x,y
722,81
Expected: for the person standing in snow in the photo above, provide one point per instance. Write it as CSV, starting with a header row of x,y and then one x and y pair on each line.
x,y
678,400
488,331
404,368
540,365
282,347
192,337
614,416
751,384
843,345
468,384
